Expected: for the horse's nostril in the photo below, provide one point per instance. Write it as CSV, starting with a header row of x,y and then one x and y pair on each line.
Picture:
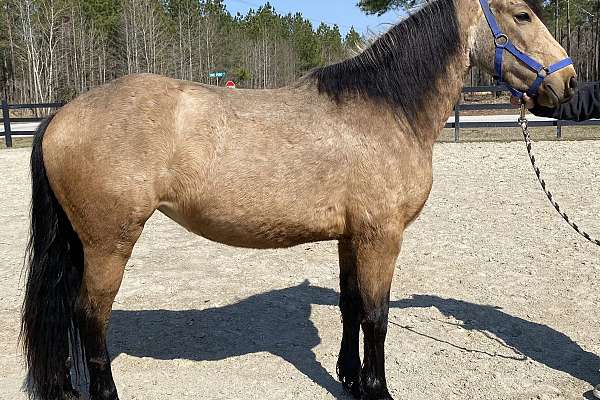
x,y
572,82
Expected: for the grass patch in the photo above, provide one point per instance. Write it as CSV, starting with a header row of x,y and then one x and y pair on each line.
x,y
546,133
17,142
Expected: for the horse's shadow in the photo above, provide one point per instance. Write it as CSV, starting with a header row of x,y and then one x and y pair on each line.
x,y
279,322
535,341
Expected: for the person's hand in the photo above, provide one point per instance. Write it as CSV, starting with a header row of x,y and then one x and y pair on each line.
x,y
529,102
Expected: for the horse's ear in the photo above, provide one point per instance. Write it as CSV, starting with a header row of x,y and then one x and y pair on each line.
x,y
305,283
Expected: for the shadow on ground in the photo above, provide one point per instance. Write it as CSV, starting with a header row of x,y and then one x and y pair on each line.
x,y
535,341
279,322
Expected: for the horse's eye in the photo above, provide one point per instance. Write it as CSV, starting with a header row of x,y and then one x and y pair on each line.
x,y
523,17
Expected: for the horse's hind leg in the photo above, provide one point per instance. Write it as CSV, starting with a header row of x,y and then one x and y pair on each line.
x,y
104,265
101,281
348,365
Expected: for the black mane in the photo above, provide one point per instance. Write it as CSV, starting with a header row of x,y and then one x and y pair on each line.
x,y
401,66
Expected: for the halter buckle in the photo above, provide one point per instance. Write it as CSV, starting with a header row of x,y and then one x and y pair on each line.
x,y
501,40
543,72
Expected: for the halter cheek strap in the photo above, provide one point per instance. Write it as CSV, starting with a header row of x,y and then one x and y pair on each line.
x,y
503,44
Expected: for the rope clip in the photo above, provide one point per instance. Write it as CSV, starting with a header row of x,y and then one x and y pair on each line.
x,y
522,118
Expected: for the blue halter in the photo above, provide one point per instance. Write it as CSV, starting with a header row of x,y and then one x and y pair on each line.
x,y
503,43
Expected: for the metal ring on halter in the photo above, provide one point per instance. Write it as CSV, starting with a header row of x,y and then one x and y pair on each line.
x,y
501,40
543,73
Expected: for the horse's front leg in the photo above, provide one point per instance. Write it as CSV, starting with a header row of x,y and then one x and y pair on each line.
x,y
348,365
375,261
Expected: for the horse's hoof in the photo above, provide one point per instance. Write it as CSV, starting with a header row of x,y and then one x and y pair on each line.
x,y
377,397
352,388
380,394
106,394
72,395
596,392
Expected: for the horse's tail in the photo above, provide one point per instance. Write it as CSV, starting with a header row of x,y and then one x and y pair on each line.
x,y
49,332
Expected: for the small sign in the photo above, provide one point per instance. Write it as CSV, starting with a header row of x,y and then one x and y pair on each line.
x,y
216,74
230,84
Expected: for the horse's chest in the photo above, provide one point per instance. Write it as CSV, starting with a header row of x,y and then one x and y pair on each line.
x,y
400,190
419,181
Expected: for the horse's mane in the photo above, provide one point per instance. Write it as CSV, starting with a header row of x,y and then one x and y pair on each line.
x,y
400,67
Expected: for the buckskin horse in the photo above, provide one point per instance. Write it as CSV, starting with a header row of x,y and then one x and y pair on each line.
x,y
343,154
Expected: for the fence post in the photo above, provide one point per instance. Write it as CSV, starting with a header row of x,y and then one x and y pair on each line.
x,y
457,121
6,120
558,129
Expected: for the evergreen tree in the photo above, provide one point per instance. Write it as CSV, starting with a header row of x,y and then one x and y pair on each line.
x,y
353,40
380,7
56,49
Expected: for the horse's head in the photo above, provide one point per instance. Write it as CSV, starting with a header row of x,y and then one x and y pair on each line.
x,y
518,29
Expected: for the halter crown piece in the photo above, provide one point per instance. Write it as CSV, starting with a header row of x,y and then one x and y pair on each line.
x,y
503,43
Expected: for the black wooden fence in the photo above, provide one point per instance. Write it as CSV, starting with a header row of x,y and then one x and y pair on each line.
x,y
460,106
457,124
7,119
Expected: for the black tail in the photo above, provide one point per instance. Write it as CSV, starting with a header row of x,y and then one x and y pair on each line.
x,y
49,331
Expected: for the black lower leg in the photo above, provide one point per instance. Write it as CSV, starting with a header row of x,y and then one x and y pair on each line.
x,y
102,385
348,365
373,383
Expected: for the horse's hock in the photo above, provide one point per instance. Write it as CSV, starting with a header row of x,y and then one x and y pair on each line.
x,y
494,296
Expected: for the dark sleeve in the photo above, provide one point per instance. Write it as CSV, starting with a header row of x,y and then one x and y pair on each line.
x,y
584,105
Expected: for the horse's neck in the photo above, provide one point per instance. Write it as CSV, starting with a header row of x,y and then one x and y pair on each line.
x,y
446,89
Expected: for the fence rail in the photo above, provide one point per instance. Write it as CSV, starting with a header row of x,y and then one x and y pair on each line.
x,y
7,120
456,124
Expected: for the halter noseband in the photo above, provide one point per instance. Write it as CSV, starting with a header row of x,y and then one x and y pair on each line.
x,y
502,43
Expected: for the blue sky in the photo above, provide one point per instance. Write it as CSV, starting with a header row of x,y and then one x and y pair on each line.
x,y
345,13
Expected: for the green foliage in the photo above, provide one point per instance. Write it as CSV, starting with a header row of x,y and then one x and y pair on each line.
x,y
95,41
241,75
303,40
330,42
380,7
581,13
104,14
3,26
352,39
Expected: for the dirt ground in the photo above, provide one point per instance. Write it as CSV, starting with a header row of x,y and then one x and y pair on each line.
x,y
494,296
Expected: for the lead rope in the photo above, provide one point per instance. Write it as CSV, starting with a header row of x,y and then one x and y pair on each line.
x,y
523,123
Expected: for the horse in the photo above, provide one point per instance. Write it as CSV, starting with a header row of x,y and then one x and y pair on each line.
x,y
344,154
